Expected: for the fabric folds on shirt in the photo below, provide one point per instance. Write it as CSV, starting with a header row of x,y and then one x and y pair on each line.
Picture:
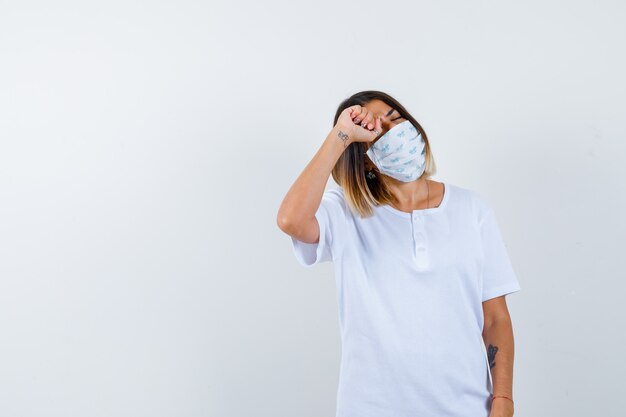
x,y
331,217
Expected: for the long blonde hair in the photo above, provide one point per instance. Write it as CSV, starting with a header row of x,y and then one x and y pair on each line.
x,y
362,193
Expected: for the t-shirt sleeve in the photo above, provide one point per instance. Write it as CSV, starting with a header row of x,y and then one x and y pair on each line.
x,y
331,217
498,275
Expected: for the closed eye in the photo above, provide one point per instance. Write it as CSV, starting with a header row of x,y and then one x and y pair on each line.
x,y
393,111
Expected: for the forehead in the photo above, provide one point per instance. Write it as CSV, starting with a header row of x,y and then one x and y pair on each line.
x,y
379,107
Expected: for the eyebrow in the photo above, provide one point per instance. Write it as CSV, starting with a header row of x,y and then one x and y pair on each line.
x,y
389,112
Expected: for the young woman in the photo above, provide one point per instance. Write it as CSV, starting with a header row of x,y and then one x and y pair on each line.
x,y
420,266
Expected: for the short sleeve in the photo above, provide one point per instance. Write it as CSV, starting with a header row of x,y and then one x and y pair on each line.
x,y
498,275
331,217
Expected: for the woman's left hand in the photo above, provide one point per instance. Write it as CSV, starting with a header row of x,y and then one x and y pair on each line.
x,y
501,407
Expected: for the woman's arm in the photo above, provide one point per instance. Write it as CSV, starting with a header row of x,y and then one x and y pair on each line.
x,y
296,215
498,338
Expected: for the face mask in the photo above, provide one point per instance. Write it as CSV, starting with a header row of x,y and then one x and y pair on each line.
x,y
399,153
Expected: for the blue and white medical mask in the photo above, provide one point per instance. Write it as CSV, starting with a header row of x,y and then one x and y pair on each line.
x,y
400,153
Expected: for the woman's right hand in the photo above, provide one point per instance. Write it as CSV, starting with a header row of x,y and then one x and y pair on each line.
x,y
359,124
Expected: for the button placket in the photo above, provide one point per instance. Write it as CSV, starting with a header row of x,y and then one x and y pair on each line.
x,y
420,240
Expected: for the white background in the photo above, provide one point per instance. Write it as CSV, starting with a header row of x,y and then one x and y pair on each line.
x,y
146,147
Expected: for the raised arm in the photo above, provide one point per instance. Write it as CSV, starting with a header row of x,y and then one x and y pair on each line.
x,y
296,215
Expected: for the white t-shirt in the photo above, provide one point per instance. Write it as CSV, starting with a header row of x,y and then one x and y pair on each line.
x,y
409,291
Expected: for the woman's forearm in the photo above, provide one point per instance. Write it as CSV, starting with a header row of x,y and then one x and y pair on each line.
x,y
305,195
498,338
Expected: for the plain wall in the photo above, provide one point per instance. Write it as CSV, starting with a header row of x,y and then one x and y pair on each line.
x,y
145,148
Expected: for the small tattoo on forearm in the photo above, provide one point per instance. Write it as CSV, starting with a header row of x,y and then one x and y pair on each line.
x,y
343,137
491,354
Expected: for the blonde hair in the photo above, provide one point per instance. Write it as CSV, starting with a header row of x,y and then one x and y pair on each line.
x,y
363,194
